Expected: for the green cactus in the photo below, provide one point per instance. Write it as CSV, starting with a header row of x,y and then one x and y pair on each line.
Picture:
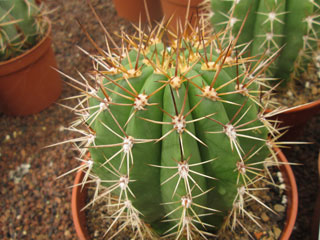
x,y
21,27
176,135
271,25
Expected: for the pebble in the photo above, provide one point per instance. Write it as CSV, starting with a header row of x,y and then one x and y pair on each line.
x,y
258,235
265,217
277,232
67,233
307,84
290,94
314,90
279,208
7,138
284,199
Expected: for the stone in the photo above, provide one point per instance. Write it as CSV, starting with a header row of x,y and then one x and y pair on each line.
x,y
277,232
314,90
258,235
264,217
279,208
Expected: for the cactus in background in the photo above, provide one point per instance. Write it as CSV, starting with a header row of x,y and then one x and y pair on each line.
x,y
271,25
21,27
176,134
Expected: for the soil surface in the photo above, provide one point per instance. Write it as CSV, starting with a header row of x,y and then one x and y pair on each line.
x,y
303,90
33,203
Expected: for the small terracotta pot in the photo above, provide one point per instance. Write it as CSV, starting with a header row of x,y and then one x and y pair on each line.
x,y
79,201
296,117
131,9
179,9
28,83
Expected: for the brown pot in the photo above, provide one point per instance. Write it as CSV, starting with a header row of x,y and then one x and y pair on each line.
x,y
132,9
178,9
79,201
28,83
295,118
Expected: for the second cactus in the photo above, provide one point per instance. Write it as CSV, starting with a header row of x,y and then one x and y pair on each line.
x,y
271,25
21,27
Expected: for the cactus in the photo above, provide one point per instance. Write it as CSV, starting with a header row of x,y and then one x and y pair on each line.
x,y
287,25
21,27
177,135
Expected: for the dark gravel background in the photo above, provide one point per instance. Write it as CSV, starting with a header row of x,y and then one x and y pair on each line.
x,y
33,204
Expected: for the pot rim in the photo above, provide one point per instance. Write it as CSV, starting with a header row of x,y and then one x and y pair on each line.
x,y
184,3
291,192
305,106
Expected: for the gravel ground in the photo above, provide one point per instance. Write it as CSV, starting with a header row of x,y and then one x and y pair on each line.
x,y
33,204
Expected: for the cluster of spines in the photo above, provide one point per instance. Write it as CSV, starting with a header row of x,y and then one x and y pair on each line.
x,y
110,69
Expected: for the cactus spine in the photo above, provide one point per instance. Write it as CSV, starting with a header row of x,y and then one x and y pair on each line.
x,y
271,25
176,134
21,27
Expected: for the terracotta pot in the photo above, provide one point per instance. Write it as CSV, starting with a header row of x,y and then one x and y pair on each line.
x,y
179,9
296,118
131,9
79,201
28,84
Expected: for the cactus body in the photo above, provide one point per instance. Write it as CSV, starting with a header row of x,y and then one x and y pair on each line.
x,y
20,27
271,25
176,135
